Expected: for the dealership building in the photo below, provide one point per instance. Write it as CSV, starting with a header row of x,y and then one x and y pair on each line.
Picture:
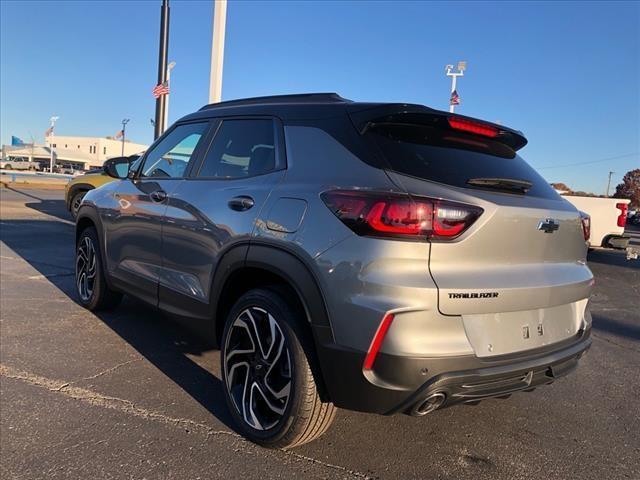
x,y
79,153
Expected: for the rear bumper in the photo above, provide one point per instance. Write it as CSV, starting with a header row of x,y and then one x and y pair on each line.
x,y
618,241
397,383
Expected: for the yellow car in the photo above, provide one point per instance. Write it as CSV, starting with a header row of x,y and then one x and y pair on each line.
x,y
78,187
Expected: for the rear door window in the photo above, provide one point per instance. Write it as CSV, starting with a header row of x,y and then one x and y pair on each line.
x,y
452,158
241,148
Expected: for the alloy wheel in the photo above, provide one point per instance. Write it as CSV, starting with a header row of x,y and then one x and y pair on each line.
x,y
258,368
86,268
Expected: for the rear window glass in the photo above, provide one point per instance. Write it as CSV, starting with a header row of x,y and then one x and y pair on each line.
x,y
452,158
241,148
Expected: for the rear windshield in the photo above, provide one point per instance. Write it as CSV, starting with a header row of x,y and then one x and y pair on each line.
x,y
452,158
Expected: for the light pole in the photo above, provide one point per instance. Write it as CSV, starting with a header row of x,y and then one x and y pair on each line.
x,y
166,103
217,50
124,126
53,121
609,183
454,99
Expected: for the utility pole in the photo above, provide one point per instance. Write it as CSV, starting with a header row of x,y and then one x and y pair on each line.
x,y
609,184
217,50
166,106
162,67
124,127
454,99
53,121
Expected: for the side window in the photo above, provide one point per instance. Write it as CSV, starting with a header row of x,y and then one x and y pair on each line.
x,y
241,148
170,157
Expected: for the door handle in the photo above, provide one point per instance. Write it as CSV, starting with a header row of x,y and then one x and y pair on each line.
x,y
241,203
158,196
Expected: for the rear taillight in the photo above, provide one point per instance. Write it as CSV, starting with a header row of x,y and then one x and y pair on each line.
x,y
586,225
471,126
400,216
622,218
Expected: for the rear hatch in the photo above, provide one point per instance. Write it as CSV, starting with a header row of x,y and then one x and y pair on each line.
x,y
517,275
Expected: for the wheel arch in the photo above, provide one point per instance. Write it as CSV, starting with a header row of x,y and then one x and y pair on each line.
x,y
267,265
77,188
245,267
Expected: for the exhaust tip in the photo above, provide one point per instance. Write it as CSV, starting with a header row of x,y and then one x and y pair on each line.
x,y
429,404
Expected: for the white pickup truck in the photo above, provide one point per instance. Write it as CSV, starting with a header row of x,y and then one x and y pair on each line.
x,y
608,219
18,163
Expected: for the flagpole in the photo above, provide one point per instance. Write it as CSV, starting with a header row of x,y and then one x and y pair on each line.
x,y
124,127
53,124
166,105
462,66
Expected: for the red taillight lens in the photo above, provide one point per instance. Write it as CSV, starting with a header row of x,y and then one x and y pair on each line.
x,y
400,216
470,126
622,218
376,343
586,226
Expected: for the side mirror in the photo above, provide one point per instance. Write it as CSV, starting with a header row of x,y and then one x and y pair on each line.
x,y
117,167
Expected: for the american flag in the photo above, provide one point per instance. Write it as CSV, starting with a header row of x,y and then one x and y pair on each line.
x,y
48,132
455,98
120,134
161,89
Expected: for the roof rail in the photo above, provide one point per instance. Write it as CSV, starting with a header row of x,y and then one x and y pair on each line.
x,y
296,98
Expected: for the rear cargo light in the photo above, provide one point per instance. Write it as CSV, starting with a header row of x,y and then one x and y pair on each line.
x,y
586,225
471,126
622,218
376,343
400,216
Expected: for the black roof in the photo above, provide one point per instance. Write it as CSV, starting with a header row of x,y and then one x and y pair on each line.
x,y
308,106
298,106
296,99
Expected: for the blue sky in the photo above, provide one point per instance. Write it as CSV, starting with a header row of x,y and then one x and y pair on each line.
x,y
566,74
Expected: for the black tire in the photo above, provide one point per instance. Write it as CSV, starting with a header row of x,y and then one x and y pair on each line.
x,y
76,200
304,415
8,167
92,289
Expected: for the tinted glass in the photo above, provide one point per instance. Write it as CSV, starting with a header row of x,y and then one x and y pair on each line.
x,y
241,148
451,158
170,157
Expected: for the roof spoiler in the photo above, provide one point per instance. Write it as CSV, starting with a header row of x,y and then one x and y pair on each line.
x,y
421,115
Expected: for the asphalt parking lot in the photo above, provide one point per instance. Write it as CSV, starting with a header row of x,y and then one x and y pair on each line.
x,y
132,394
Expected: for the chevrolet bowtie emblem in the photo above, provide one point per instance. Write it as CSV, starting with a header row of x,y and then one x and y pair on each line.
x,y
549,225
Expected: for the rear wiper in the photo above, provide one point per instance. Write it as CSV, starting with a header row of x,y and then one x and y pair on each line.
x,y
508,184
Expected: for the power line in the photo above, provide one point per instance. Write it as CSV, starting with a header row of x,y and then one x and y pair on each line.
x,y
589,162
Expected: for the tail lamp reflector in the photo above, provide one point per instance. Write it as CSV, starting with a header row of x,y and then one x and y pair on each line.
x,y
376,343
400,216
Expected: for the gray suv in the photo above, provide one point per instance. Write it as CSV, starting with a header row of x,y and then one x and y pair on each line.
x,y
376,257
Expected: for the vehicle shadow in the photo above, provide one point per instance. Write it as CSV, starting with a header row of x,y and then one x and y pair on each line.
x,y
163,341
616,258
53,207
620,329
